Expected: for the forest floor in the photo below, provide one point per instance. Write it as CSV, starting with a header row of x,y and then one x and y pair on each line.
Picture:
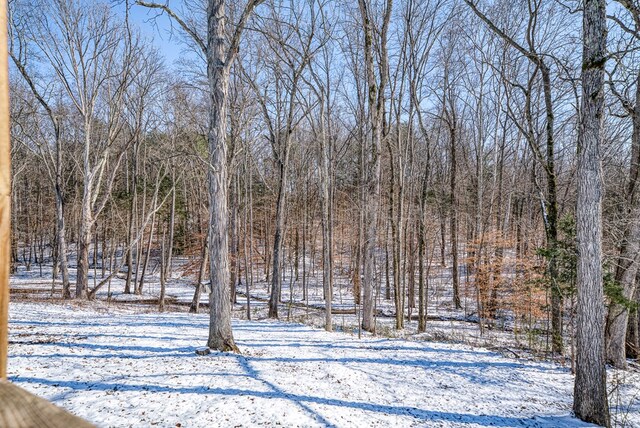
x,y
121,367
124,364
445,323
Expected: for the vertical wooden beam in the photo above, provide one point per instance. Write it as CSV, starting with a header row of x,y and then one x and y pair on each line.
x,y
5,192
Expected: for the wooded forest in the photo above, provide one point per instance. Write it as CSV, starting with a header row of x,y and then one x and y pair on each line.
x,y
410,159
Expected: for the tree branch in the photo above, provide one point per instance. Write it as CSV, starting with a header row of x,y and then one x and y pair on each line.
x,y
235,39
180,22
532,56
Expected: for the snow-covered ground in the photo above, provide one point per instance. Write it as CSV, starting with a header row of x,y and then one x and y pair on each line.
x,y
446,322
117,366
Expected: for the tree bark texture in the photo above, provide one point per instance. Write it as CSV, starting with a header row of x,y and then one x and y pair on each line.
x,y
590,390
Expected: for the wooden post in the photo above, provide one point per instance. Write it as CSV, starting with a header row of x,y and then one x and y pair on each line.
x,y
5,192
21,409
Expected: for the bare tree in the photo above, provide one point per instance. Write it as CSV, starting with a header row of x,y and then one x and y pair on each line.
x,y
377,85
51,154
220,58
321,72
425,22
628,260
277,93
92,59
547,158
590,391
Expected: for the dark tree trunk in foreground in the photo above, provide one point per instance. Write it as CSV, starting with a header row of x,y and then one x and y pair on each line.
x,y
590,391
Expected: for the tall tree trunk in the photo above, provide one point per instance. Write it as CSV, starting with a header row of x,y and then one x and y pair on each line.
x,y
453,218
276,274
396,223
357,261
387,265
204,260
305,233
633,334
248,232
61,241
410,265
325,202
147,254
233,230
371,191
86,217
172,226
422,280
618,315
84,243
590,392
132,219
628,263
552,215
219,61
163,270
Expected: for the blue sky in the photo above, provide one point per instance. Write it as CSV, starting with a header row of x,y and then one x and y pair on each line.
x,y
157,29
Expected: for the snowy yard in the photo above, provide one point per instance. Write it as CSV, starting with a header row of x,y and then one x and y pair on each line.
x,y
116,367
